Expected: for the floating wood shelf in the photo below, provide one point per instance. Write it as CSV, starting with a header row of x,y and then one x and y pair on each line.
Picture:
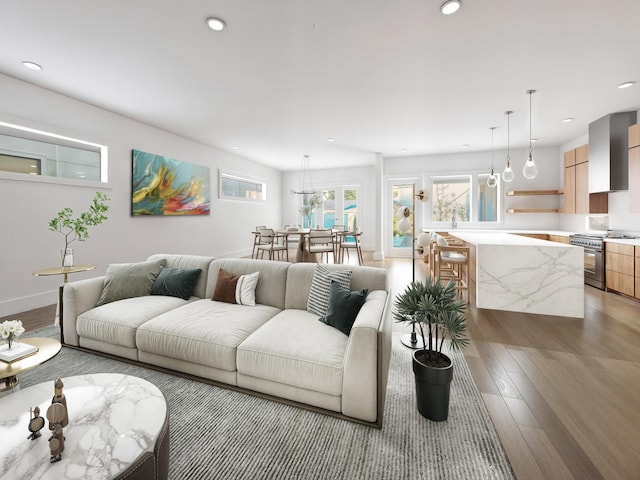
x,y
512,193
533,210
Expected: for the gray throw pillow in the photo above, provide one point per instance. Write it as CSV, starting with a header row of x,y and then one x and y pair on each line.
x,y
318,300
128,280
174,282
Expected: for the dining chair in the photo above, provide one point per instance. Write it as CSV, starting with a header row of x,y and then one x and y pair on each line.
x,y
256,240
272,243
321,241
348,241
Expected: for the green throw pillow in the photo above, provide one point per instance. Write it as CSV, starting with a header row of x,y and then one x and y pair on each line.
x,y
343,307
127,280
174,282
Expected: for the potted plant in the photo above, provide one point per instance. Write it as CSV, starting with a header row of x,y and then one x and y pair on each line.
x,y
432,306
78,228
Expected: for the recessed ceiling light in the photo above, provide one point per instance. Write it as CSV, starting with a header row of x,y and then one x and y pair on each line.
x,y
404,150
465,145
216,24
567,120
330,139
32,65
235,147
450,6
626,84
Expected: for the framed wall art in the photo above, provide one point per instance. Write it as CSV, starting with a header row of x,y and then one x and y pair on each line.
x,y
165,186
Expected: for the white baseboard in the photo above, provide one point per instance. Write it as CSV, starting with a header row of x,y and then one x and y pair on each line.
x,y
18,305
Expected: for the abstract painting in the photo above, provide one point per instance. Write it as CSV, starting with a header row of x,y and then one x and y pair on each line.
x,y
165,186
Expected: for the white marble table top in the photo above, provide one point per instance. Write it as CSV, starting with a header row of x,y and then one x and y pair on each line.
x,y
500,238
113,419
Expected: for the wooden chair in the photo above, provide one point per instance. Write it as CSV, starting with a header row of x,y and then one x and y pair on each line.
x,y
452,263
347,241
273,243
256,240
321,241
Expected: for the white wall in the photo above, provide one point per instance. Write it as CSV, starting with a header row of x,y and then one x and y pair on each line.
x,y
480,162
26,243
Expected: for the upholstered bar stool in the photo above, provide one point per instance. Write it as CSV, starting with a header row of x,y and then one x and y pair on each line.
x,y
452,263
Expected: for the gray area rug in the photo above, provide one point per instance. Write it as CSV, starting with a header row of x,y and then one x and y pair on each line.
x,y
217,433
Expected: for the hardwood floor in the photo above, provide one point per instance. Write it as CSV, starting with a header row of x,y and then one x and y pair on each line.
x,y
562,392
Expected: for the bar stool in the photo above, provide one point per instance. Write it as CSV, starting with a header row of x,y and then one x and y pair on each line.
x,y
452,263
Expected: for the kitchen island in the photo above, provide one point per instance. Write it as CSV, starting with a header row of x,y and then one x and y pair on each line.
x,y
522,274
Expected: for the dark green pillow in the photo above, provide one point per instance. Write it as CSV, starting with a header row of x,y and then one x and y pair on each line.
x,y
176,283
128,280
343,307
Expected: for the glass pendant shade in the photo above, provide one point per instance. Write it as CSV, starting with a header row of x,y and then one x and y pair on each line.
x,y
492,180
507,173
530,169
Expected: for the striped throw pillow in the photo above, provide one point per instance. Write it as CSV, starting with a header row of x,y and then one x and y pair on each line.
x,y
318,301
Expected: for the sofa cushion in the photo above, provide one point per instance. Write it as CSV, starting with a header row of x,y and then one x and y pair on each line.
x,y
116,322
128,280
321,285
205,332
344,306
239,289
176,283
294,348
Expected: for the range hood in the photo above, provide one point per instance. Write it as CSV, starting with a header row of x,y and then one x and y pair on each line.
x,y
609,152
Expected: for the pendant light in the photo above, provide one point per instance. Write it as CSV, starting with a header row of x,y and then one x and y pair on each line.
x,y
507,174
305,187
492,181
530,170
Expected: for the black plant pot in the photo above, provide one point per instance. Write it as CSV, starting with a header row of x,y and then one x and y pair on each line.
x,y
432,388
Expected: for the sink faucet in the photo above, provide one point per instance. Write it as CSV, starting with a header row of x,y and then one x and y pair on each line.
x,y
454,224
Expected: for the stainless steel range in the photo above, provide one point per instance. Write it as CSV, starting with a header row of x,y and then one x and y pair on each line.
x,y
594,255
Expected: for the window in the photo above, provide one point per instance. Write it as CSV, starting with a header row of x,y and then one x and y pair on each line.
x,y
335,205
488,200
451,198
41,154
239,188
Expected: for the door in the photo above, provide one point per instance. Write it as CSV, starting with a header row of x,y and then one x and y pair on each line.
x,y
399,241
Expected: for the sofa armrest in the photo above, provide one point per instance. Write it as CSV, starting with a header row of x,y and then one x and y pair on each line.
x,y
77,298
362,375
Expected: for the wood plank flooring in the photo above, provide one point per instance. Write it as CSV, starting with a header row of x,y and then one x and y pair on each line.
x,y
563,393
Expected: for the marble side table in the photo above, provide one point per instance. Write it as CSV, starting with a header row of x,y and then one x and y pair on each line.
x,y
118,428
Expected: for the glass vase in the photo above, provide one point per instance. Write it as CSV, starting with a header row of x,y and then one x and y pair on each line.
x,y
66,254
10,340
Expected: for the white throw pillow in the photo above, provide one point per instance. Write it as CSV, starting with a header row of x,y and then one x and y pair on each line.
x,y
246,289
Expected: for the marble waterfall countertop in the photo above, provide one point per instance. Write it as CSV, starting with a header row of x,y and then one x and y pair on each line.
x,y
523,274
113,419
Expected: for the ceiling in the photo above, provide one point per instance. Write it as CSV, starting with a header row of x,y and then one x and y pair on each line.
x,y
395,77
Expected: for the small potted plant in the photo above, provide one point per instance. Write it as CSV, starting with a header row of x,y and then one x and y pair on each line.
x,y
432,306
78,228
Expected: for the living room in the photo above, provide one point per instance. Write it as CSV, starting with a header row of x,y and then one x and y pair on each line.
x,y
29,204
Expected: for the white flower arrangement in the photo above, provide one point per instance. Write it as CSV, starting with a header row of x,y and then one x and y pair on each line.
x,y
10,329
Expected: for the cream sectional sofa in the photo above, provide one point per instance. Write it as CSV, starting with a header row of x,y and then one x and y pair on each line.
x,y
276,348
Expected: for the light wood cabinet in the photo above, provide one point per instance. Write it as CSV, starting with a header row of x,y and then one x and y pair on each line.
x,y
634,168
634,135
577,198
638,273
559,239
620,270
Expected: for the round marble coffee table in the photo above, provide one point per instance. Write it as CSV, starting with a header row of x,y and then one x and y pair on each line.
x,y
118,428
